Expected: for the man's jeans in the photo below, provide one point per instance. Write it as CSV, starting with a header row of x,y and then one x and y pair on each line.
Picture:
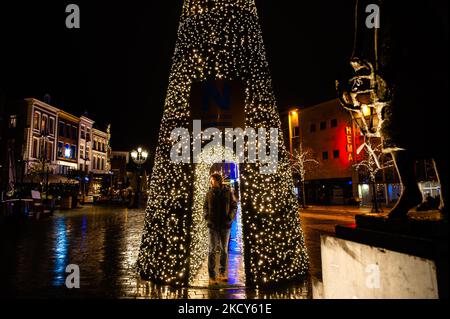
x,y
218,238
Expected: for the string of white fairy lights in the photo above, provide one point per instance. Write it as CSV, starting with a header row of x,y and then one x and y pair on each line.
x,y
220,39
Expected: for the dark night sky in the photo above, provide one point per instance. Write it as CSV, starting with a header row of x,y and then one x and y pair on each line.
x,y
116,67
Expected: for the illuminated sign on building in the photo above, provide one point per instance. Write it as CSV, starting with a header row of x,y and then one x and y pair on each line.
x,y
349,143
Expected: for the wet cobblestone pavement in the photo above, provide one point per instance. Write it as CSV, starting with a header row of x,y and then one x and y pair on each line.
x,y
104,243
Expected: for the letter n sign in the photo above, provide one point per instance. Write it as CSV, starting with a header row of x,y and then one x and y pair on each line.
x,y
212,93
218,103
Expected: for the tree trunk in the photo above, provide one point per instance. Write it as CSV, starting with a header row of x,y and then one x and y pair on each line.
x,y
303,194
374,198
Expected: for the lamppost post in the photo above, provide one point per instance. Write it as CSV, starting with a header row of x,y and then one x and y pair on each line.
x,y
85,172
44,138
139,157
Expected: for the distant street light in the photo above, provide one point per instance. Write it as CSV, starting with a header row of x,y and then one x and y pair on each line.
x,y
139,157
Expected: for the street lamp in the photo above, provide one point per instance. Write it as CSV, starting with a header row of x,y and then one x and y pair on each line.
x,y
139,157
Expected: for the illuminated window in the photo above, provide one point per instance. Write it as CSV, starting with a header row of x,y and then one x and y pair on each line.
x,y
36,120
334,123
325,155
336,154
44,123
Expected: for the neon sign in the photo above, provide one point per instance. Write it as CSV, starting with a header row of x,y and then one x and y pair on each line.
x,y
349,143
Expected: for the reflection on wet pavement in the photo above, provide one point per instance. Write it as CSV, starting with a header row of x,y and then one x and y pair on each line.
x,y
104,243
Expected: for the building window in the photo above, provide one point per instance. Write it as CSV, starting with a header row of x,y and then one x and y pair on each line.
x,y
75,132
34,150
336,154
88,134
44,123
61,129
73,152
36,120
323,125
103,164
13,121
81,167
333,123
94,162
67,130
42,149
70,132
296,132
49,155
312,128
87,152
60,150
83,132
325,156
52,126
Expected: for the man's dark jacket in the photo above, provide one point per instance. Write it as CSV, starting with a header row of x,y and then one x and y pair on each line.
x,y
220,208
